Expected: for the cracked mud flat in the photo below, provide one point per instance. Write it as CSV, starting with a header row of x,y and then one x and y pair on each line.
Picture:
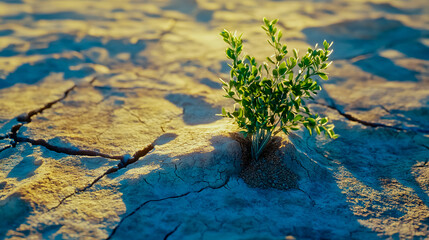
x,y
108,127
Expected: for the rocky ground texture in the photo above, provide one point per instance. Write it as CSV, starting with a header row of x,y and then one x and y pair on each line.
x,y
108,126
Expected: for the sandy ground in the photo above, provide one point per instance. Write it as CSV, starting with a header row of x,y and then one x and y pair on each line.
x,y
108,127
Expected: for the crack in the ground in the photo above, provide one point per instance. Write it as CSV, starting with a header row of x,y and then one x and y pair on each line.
x,y
125,161
384,108
131,88
169,120
300,164
162,199
313,203
177,175
168,29
4,136
26,118
423,164
7,147
171,24
65,150
370,124
135,115
424,146
147,182
173,231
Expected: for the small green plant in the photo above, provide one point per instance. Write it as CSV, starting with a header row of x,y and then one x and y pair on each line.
x,y
269,97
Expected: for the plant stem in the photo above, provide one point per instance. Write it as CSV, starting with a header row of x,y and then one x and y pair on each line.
x,y
259,141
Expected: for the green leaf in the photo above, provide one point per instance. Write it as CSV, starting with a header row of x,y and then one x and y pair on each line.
x,y
326,65
254,70
269,60
266,21
223,82
230,53
295,53
317,130
323,75
224,33
241,112
323,121
275,72
332,134
311,121
297,118
279,36
282,68
284,49
326,45
239,48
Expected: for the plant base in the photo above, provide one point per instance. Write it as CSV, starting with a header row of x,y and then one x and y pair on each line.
x,y
269,171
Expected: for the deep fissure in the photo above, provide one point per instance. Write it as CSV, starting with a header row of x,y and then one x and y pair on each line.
x,y
26,118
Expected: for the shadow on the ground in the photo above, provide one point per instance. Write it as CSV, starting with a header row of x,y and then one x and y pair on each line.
x,y
195,109
354,38
94,50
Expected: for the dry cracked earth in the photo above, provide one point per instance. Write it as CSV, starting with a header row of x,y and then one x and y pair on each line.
x,y
108,126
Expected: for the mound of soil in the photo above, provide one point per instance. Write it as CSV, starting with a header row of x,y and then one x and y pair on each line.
x,y
270,171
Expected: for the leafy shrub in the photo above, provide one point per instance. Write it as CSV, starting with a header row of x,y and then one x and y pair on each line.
x,y
269,97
